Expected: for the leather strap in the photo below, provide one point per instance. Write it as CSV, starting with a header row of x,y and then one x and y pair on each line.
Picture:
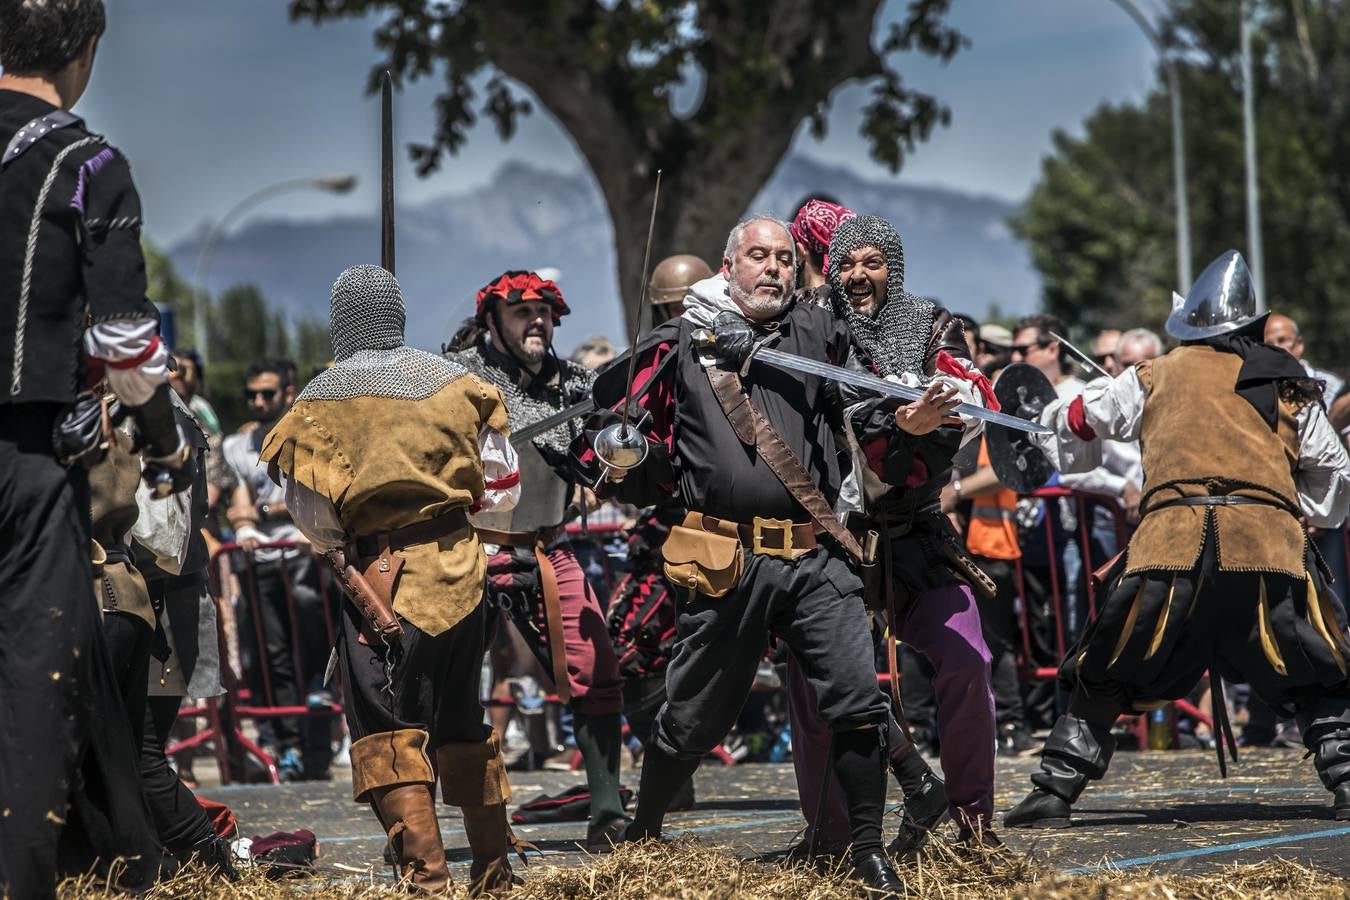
x,y
755,430
1222,500
892,621
557,646
423,532
36,130
506,538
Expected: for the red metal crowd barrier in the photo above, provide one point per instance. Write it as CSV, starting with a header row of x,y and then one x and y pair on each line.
x,y
231,566
1084,501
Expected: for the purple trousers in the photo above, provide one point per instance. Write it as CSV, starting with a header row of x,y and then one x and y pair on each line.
x,y
944,625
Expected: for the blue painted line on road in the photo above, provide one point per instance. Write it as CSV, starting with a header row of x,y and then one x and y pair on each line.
x,y
1210,851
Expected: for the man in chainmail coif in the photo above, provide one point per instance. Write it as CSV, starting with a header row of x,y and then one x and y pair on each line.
x,y
383,456
902,460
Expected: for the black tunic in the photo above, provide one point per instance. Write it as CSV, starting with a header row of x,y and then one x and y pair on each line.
x,y
85,258
704,464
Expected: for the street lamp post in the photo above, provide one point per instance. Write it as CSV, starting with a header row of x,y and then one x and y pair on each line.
x,y
1178,143
339,183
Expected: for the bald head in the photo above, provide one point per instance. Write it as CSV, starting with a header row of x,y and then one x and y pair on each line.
x,y
1137,345
1283,332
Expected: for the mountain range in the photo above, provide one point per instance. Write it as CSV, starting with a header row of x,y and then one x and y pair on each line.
x,y
958,247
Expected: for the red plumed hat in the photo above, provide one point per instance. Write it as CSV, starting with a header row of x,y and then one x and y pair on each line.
x,y
518,287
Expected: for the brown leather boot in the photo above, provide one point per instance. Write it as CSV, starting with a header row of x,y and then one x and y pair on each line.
x,y
414,835
490,841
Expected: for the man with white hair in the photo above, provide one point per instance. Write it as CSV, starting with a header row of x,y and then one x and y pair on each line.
x,y
756,462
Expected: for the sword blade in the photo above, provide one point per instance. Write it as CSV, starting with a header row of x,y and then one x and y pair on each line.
x,y
533,430
890,388
387,172
1083,359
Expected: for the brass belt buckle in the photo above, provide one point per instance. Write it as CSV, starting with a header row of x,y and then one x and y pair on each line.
x,y
783,526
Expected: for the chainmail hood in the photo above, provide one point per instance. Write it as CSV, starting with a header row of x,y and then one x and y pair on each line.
x,y
366,311
371,359
528,400
897,337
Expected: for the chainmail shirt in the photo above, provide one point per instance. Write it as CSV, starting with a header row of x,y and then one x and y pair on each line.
x,y
366,319
897,339
526,407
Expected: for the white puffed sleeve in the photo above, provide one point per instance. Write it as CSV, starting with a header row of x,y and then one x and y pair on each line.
x,y
137,360
1323,472
1112,408
501,472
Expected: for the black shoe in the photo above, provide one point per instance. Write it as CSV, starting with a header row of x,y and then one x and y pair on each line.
x,y
604,838
926,807
214,853
827,855
875,871
1040,809
978,842
1342,806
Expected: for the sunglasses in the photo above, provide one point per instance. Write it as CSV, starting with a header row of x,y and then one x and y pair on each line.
x,y
1023,348
1100,359
268,394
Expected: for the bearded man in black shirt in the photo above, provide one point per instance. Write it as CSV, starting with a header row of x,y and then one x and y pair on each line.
x,y
753,557
70,254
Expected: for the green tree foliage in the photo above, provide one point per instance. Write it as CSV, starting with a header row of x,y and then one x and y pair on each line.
x,y
1100,222
243,329
607,70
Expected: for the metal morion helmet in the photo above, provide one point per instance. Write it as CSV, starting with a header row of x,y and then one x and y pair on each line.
x,y
367,311
1221,300
674,275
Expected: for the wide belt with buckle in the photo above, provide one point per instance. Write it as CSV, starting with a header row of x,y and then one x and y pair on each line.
x,y
371,545
770,537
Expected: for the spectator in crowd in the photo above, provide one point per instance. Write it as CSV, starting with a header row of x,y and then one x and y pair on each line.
x,y
189,380
593,352
994,350
971,328
259,516
1282,331
1104,351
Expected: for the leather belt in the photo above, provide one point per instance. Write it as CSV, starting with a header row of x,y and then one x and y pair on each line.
x,y
548,587
1207,500
774,537
993,512
424,532
118,554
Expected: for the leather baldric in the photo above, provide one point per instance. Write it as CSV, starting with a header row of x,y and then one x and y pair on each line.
x,y
754,430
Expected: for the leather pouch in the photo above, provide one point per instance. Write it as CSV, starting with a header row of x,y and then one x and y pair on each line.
x,y
702,561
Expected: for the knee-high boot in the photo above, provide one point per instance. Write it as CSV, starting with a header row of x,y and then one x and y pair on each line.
x,y
599,740
391,771
473,777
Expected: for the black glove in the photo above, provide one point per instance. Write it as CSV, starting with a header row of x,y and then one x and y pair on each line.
x,y
170,474
78,436
169,466
157,426
734,338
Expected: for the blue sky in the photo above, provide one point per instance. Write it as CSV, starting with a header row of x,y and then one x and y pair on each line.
x,y
211,100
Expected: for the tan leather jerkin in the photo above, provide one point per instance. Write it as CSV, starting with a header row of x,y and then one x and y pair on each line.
x,y
703,561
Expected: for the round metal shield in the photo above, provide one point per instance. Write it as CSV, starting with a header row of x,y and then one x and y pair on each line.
x,y
1024,391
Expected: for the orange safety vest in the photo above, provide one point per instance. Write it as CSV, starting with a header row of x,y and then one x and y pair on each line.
x,y
993,531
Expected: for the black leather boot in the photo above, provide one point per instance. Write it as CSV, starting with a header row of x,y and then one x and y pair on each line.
x,y
1329,741
1077,751
214,853
875,871
926,806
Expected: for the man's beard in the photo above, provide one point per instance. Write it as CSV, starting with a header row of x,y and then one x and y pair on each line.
x,y
529,355
761,307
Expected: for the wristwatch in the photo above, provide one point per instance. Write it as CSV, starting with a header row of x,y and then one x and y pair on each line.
x,y
956,489
264,511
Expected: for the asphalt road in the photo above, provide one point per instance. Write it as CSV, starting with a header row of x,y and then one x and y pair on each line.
x,y
1167,810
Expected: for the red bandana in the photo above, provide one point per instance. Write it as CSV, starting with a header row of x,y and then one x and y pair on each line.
x,y
815,224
